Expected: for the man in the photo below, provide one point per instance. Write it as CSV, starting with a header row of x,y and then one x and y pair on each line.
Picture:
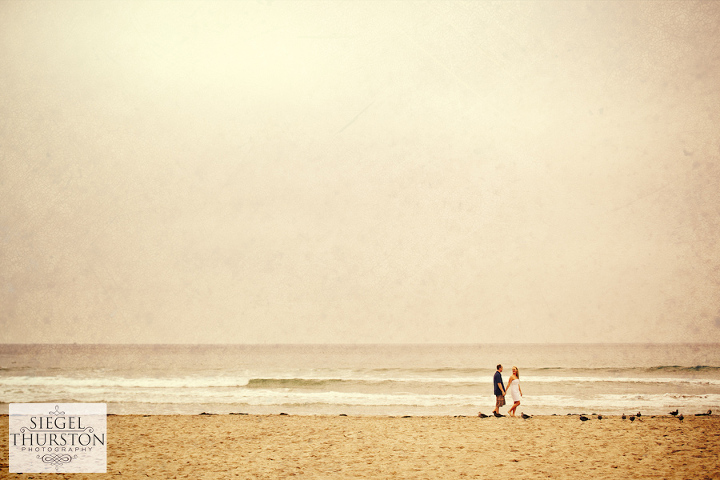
x,y
499,389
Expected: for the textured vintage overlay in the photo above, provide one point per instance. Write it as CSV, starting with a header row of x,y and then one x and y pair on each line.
x,y
361,172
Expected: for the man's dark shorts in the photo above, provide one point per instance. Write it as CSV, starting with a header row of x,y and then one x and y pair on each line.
x,y
499,401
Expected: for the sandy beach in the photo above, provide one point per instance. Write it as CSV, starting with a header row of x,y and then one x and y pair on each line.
x,y
281,446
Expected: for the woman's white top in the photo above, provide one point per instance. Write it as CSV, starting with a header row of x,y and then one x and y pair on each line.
x,y
515,390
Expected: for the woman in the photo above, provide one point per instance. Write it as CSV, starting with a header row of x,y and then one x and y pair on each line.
x,y
513,387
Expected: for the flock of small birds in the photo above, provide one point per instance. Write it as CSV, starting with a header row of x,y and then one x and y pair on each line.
x,y
522,415
584,418
632,418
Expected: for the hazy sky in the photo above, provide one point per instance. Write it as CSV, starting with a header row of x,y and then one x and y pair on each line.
x,y
254,172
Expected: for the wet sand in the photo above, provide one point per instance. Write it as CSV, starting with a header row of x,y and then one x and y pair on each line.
x,y
282,446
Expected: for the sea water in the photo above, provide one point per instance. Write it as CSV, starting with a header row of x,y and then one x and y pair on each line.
x,y
363,379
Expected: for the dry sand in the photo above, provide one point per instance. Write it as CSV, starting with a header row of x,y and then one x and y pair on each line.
x,y
279,446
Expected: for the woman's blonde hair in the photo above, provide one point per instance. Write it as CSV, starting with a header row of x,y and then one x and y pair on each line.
x,y
517,372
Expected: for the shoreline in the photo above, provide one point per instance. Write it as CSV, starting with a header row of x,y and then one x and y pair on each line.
x,y
384,411
218,446
686,416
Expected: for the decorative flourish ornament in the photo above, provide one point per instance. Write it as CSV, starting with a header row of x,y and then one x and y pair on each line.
x,y
57,460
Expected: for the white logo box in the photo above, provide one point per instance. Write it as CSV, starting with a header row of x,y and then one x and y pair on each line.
x,y
58,437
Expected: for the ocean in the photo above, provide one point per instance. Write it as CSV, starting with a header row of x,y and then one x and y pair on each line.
x,y
363,379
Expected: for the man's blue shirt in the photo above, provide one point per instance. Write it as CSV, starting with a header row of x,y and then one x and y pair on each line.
x,y
498,379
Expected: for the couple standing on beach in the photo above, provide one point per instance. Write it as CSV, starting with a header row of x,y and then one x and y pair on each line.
x,y
513,386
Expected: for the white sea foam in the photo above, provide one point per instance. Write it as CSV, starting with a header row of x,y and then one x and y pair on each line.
x,y
430,380
275,397
143,382
290,381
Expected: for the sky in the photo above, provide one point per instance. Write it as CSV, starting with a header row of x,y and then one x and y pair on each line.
x,y
359,172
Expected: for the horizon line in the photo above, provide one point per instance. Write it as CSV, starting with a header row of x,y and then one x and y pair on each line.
x,y
396,344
